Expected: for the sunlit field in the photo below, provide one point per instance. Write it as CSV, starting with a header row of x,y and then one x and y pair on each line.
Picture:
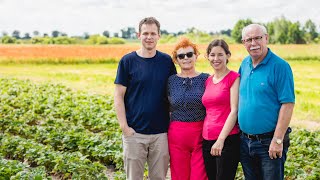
x,y
99,54
61,123
93,68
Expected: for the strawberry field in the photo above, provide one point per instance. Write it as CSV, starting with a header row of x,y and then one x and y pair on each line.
x,y
50,132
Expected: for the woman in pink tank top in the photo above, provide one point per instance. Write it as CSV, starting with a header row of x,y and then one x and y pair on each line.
x,y
221,144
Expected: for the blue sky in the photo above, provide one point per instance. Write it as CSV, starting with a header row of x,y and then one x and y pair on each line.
x,y
75,17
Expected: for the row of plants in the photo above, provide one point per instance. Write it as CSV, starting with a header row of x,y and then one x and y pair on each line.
x,y
72,135
47,131
63,165
68,138
93,39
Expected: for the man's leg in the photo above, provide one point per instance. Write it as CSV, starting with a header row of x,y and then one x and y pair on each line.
x,y
158,157
271,169
246,158
135,150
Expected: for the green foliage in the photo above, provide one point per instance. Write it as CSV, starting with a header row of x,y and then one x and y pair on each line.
x,y
116,40
284,31
42,40
53,40
236,33
63,40
310,30
196,36
8,40
49,130
71,135
295,35
97,39
303,156
59,61
9,168
168,39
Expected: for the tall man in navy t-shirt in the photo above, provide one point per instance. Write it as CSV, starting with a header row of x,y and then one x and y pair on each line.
x,y
141,105
266,101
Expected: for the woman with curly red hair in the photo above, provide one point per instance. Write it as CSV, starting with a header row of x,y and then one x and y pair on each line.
x,y
185,91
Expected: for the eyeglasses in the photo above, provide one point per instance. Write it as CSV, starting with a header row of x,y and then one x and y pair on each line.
x,y
182,56
249,40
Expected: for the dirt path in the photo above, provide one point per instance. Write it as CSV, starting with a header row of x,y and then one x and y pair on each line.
x,y
306,124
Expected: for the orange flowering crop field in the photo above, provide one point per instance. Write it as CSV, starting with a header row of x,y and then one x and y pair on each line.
x,y
72,53
102,54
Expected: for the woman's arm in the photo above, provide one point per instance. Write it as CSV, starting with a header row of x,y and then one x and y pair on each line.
x,y
217,147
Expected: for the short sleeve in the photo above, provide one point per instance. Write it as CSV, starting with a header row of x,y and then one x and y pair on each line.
x,y
122,73
207,81
232,78
284,84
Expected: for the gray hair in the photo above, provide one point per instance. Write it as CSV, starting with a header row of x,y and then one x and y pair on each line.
x,y
261,27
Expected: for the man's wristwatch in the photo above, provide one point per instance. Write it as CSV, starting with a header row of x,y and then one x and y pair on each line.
x,y
277,140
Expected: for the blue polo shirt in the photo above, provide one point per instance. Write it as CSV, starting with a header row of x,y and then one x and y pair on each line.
x,y
262,91
146,103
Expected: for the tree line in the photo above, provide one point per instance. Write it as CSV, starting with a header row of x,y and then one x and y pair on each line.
x,y
280,30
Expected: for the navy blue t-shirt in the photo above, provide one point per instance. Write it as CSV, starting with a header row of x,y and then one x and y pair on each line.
x,y
145,98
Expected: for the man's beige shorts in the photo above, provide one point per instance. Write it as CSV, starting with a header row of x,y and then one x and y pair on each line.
x,y
139,149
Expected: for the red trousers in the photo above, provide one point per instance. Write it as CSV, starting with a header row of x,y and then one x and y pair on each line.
x,y
185,148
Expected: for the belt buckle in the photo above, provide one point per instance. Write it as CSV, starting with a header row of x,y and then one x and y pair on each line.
x,y
252,136
249,136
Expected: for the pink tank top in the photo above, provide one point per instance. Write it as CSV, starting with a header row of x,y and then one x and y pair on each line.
x,y
216,99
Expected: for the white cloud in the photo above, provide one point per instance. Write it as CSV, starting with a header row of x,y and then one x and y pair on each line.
x,y
94,16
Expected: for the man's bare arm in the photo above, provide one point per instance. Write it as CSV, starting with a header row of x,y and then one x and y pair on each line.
x,y
284,119
119,93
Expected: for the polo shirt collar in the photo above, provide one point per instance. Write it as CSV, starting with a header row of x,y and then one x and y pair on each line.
x,y
265,60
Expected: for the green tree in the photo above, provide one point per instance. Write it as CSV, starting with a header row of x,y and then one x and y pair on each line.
x,y
4,33
36,33
236,33
164,32
128,33
295,35
86,35
16,34
26,36
106,33
55,33
8,40
270,29
97,39
310,31
64,40
226,32
116,40
281,28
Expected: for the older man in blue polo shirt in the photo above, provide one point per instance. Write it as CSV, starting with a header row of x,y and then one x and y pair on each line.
x,y
266,101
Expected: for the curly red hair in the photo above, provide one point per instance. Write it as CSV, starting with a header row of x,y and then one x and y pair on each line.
x,y
184,43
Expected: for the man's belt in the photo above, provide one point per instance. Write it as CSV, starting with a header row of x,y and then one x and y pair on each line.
x,y
258,136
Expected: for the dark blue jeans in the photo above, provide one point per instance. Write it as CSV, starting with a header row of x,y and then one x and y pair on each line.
x,y
255,160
